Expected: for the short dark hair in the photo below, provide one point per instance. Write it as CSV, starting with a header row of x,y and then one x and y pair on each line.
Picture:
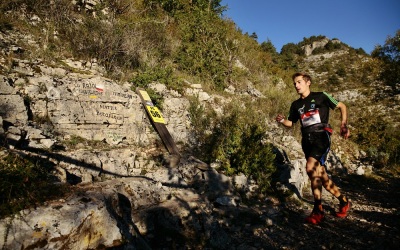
x,y
305,76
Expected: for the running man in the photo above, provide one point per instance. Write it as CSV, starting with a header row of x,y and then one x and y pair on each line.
x,y
312,109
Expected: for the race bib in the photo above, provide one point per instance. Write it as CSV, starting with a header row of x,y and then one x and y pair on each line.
x,y
310,118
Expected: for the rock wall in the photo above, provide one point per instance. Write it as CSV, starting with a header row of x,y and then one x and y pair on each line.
x,y
309,48
92,108
12,108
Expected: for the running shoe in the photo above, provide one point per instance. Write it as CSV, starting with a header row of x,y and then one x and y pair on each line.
x,y
343,209
315,217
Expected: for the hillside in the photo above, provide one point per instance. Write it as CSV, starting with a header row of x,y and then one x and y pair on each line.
x,y
83,166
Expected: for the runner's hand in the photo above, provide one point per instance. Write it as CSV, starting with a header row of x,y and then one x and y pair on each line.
x,y
344,131
279,118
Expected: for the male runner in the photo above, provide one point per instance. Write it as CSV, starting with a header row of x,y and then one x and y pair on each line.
x,y
312,109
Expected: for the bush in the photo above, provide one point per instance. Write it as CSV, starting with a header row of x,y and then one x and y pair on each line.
x,y
389,54
25,182
5,23
333,80
341,71
379,139
202,49
236,141
149,75
159,75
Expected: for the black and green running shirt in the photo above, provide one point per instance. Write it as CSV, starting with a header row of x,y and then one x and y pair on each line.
x,y
313,109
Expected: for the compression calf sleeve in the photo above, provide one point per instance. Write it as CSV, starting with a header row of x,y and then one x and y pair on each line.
x,y
342,199
318,205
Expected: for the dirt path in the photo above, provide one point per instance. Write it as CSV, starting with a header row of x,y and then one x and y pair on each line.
x,y
373,221
272,223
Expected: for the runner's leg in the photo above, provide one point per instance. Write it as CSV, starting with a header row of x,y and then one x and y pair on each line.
x,y
313,172
328,184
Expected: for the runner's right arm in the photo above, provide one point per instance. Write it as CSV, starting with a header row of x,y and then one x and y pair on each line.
x,y
281,119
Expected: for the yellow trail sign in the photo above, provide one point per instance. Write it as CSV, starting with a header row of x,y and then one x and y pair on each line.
x,y
155,114
158,121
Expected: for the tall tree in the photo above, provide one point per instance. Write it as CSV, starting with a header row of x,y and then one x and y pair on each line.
x,y
267,46
174,6
389,53
254,35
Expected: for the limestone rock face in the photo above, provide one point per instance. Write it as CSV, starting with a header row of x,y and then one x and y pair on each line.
x,y
124,212
98,217
91,107
308,49
12,108
87,106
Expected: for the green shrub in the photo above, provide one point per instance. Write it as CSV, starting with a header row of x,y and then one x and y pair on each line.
x,y
25,182
201,119
333,80
5,23
379,139
156,98
159,75
202,50
236,141
325,67
389,54
341,70
156,74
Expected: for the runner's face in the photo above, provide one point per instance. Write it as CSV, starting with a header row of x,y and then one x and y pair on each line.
x,y
302,86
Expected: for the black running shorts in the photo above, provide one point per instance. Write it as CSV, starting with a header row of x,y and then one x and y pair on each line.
x,y
316,145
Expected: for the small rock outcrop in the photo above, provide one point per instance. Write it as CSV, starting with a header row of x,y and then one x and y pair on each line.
x,y
309,48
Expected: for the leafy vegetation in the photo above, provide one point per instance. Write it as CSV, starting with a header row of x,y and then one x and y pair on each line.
x,y
389,54
25,182
379,139
161,75
236,140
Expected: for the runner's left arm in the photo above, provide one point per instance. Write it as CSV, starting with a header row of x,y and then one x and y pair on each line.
x,y
344,131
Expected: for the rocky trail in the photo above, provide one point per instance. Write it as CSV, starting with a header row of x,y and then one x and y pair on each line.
x,y
196,215
278,223
373,221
